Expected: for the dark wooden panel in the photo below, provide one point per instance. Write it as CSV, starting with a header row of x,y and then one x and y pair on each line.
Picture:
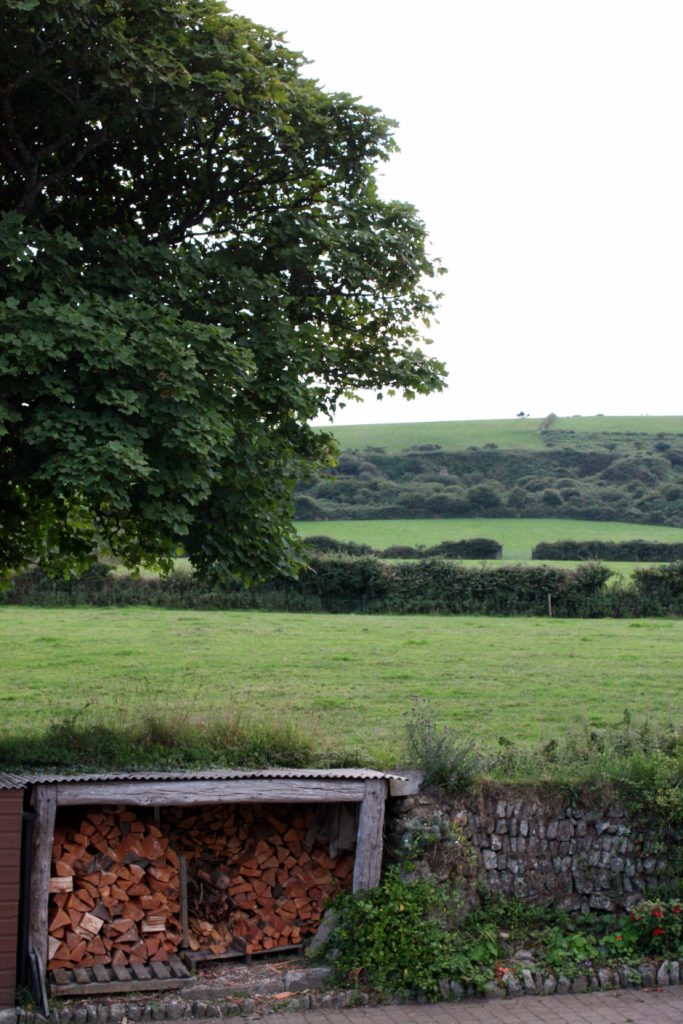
x,y
11,804
7,999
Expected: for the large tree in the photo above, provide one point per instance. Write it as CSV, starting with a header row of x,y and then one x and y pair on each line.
x,y
195,262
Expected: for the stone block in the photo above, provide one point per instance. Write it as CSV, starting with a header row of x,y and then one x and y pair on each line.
x,y
493,991
663,974
528,983
457,991
598,901
490,860
513,986
546,984
306,978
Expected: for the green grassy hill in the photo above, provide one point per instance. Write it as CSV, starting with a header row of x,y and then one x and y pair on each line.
x,y
599,468
515,433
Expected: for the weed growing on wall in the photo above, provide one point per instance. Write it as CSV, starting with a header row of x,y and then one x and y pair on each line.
x,y
445,758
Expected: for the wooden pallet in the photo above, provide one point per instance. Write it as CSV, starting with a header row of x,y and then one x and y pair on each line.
x,y
193,958
100,980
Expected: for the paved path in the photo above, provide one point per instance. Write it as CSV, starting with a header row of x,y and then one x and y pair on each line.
x,y
629,1006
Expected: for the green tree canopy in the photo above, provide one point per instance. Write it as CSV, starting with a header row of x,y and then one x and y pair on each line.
x,y
195,262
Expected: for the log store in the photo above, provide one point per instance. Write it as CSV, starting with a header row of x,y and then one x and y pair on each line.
x,y
131,879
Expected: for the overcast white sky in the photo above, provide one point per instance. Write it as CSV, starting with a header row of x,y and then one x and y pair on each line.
x,y
542,142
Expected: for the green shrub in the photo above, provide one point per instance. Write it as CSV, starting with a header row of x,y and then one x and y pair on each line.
x,y
658,927
397,938
444,758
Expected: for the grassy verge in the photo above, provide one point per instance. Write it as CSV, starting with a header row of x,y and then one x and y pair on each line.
x,y
342,682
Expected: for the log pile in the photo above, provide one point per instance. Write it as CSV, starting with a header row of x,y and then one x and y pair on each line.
x,y
258,877
114,892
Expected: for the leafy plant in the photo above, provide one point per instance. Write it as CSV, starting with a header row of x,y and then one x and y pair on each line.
x,y
390,938
443,757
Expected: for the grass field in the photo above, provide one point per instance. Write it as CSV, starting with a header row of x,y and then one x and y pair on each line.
x,y
518,536
346,679
515,433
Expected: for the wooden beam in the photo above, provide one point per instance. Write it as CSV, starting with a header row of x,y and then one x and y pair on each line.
x,y
367,869
45,807
214,791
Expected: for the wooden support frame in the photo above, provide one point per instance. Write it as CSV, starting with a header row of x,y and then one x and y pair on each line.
x,y
202,791
369,841
45,807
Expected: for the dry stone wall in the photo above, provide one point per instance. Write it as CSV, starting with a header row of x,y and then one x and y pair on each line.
x,y
536,846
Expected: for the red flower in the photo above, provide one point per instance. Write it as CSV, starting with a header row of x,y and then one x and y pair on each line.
x,y
657,931
676,909
657,912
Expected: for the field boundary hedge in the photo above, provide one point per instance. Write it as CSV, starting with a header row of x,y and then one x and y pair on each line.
x,y
470,548
365,584
608,551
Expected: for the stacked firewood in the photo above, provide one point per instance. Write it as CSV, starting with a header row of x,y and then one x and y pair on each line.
x,y
258,877
114,892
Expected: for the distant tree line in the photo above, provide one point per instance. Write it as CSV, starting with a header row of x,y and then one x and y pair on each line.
x,y
634,478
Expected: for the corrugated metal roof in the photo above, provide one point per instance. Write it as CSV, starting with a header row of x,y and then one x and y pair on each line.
x,y
11,781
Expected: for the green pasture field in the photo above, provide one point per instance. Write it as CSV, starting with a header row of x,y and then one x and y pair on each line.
x,y
514,433
518,536
343,679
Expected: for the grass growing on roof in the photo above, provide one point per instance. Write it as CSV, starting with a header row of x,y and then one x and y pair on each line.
x,y
342,681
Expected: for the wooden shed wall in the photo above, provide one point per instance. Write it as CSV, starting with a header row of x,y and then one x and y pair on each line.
x,y
11,803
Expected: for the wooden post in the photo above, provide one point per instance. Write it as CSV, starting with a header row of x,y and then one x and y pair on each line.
x,y
45,806
369,844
